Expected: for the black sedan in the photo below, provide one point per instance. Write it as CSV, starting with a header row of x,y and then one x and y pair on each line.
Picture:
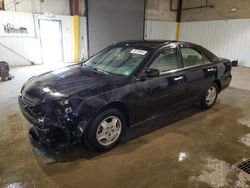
x,y
123,85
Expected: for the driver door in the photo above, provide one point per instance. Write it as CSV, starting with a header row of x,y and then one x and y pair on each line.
x,y
157,95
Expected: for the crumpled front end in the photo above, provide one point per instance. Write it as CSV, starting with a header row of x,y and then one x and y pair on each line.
x,y
52,124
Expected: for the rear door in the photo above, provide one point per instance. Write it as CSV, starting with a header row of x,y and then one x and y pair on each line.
x,y
198,75
159,94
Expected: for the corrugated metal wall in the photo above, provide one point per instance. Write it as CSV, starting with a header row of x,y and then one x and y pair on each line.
x,y
226,38
28,45
159,30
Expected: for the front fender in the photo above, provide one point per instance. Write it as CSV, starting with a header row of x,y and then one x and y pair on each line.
x,y
94,105
81,129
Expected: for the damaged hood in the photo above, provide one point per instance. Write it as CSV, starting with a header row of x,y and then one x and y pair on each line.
x,y
70,81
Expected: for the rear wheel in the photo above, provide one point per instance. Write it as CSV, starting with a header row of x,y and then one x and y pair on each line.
x,y
210,97
105,131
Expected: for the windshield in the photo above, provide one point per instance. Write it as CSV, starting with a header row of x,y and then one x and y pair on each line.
x,y
117,60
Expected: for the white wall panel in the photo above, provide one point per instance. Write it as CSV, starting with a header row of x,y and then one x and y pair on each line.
x,y
58,7
159,30
17,20
83,47
226,38
29,46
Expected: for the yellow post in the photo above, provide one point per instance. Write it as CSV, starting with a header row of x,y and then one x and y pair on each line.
x,y
177,34
76,39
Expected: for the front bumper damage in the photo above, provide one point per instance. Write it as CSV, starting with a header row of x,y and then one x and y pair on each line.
x,y
50,139
46,132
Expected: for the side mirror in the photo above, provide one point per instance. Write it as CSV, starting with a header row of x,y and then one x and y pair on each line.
x,y
151,73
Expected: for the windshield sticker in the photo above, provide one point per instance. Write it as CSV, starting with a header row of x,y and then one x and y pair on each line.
x,y
140,52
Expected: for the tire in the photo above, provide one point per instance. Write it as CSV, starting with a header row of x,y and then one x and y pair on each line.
x,y
105,131
4,78
207,102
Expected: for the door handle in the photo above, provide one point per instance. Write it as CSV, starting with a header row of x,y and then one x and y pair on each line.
x,y
211,69
178,78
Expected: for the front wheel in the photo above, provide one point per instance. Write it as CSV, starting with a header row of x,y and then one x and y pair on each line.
x,y
105,130
210,97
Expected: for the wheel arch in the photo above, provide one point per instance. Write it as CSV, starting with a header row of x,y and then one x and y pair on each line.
x,y
120,106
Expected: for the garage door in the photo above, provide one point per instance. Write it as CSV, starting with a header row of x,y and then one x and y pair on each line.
x,y
111,21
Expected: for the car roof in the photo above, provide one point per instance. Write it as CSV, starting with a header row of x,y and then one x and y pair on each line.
x,y
149,43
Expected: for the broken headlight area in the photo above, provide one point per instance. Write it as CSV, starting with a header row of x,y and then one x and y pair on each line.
x,y
60,110
53,122
68,109
72,106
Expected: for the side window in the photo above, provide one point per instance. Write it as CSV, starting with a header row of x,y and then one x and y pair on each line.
x,y
191,57
205,59
165,61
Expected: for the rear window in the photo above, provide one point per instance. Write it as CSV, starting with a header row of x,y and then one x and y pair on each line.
x,y
191,57
209,54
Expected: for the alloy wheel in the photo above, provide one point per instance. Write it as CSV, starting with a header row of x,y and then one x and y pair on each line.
x,y
109,130
211,95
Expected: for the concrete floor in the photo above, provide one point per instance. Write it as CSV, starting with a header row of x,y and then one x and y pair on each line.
x,y
190,148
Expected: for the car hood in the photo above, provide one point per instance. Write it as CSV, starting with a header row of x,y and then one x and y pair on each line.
x,y
72,80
